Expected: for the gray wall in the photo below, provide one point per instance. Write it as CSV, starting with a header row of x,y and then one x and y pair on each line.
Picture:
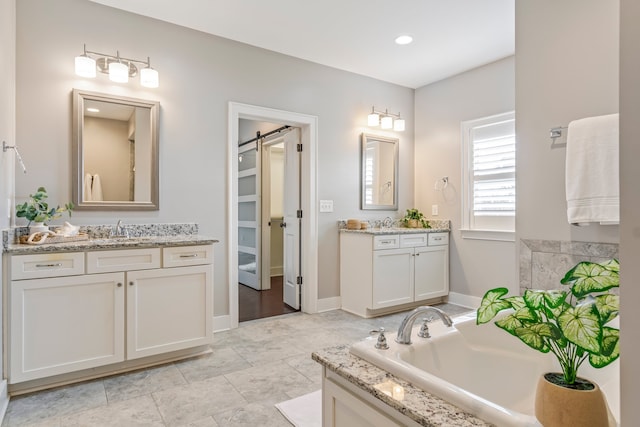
x,y
475,265
630,200
565,72
199,75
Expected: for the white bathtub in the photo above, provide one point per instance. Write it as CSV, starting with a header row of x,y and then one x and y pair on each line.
x,y
481,369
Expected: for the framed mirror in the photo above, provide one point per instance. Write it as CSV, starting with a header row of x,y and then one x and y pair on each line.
x,y
115,152
379,177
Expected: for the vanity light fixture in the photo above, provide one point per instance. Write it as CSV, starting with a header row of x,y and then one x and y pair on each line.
x,y
404,39
118,68
385,120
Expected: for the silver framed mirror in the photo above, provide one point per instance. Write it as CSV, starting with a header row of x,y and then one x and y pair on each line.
x,y
379,172
115,152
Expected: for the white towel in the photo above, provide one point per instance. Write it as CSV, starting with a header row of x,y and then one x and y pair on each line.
x,y
96,188
592,171
88,179
303,411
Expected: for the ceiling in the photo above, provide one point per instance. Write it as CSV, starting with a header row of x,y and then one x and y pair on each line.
x,y
450,36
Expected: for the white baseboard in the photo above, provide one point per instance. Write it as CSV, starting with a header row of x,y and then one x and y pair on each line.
x,y
4,400
464,300
328,304
221,323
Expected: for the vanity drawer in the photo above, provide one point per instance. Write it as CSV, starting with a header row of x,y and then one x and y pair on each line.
x,y
388,241
123,260
438,239
181,256
46,265
413,240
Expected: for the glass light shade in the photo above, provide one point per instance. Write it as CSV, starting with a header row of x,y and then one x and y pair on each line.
x,y
373,119
398,125
386,122
149,77
85,66
118,72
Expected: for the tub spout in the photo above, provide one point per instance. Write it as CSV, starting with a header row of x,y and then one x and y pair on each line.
x,y
404,331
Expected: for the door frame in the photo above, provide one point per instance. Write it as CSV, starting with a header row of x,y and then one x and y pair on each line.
x,y
309,138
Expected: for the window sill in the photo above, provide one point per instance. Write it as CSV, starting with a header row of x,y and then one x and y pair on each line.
x,y
494,235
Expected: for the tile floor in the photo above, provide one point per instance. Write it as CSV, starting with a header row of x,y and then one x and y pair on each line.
x,y
253,367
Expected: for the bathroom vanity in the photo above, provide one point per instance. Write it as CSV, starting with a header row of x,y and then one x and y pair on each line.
x,y
84,309
384,270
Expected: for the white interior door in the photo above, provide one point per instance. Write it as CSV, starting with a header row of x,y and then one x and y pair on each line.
x,y
249,216
292,223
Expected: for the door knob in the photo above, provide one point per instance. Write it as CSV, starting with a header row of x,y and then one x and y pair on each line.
x,y
283,225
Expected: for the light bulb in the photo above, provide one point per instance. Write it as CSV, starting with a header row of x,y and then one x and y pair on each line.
x,y
149,77
398,125
386,122
373,119
118,72
85,66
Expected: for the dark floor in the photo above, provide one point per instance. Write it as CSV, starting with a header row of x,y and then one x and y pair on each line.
x,y
258,304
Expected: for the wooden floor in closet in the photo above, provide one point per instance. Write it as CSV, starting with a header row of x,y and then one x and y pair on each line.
x,y
255,304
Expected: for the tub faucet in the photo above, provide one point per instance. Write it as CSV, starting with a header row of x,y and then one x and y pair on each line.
x,y
404,331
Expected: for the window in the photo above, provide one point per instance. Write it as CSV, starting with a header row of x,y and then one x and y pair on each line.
x,y
489,181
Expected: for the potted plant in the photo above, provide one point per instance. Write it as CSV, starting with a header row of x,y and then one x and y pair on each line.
x,y
574,326
415,219
37,210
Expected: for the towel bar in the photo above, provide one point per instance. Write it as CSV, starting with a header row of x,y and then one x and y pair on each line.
x,y
556,132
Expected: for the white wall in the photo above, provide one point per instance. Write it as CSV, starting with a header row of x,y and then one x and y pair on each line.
x,y
630,206
475,265
199,75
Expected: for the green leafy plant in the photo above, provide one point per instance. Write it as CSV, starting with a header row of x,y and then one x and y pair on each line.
x,y
36,209
571,325
415,214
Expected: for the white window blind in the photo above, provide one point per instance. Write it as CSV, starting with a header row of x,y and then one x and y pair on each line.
x,y
489,146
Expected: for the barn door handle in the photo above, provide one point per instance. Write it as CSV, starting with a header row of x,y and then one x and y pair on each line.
x,y
283,224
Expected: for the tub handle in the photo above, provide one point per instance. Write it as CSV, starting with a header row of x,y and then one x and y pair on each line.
x,y
424,329
381,344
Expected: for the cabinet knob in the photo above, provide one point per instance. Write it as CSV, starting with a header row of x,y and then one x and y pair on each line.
x,y
119,284
131,283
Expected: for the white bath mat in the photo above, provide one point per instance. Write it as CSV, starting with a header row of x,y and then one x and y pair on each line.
x,y
303,411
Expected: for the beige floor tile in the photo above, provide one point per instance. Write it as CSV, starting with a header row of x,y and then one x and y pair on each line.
x,y
140,411
143,382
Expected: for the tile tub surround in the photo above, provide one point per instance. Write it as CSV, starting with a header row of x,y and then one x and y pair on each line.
x,y
155,235
252,368
544,262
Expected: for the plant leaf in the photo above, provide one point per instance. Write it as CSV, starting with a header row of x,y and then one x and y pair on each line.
x,y
534,299
581,326
587,277
517,302
608,306
612,265
554,298
610,348
525,314
509,323
491,305
533,336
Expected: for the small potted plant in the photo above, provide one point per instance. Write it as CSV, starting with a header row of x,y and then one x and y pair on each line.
x,y
574,326
415,219
37,210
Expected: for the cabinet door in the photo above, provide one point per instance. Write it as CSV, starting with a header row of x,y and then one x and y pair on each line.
x,y
169,309
431,272
392,277
65,324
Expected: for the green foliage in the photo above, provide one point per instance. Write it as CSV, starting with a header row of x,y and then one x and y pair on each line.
x,y
417,215
571,324
36,209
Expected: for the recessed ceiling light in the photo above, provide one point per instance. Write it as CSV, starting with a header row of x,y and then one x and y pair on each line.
x,y
93,110
404,39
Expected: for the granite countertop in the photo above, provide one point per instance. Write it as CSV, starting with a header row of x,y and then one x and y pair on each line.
x,y
422,407
396,230
111,243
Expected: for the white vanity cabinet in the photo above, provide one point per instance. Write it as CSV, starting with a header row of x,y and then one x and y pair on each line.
x,y
74,311
384,271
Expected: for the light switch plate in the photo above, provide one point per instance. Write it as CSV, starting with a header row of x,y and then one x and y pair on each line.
x,y
326,205
434,210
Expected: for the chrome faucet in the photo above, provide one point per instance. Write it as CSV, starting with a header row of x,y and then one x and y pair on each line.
x,y
119,230
404,331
